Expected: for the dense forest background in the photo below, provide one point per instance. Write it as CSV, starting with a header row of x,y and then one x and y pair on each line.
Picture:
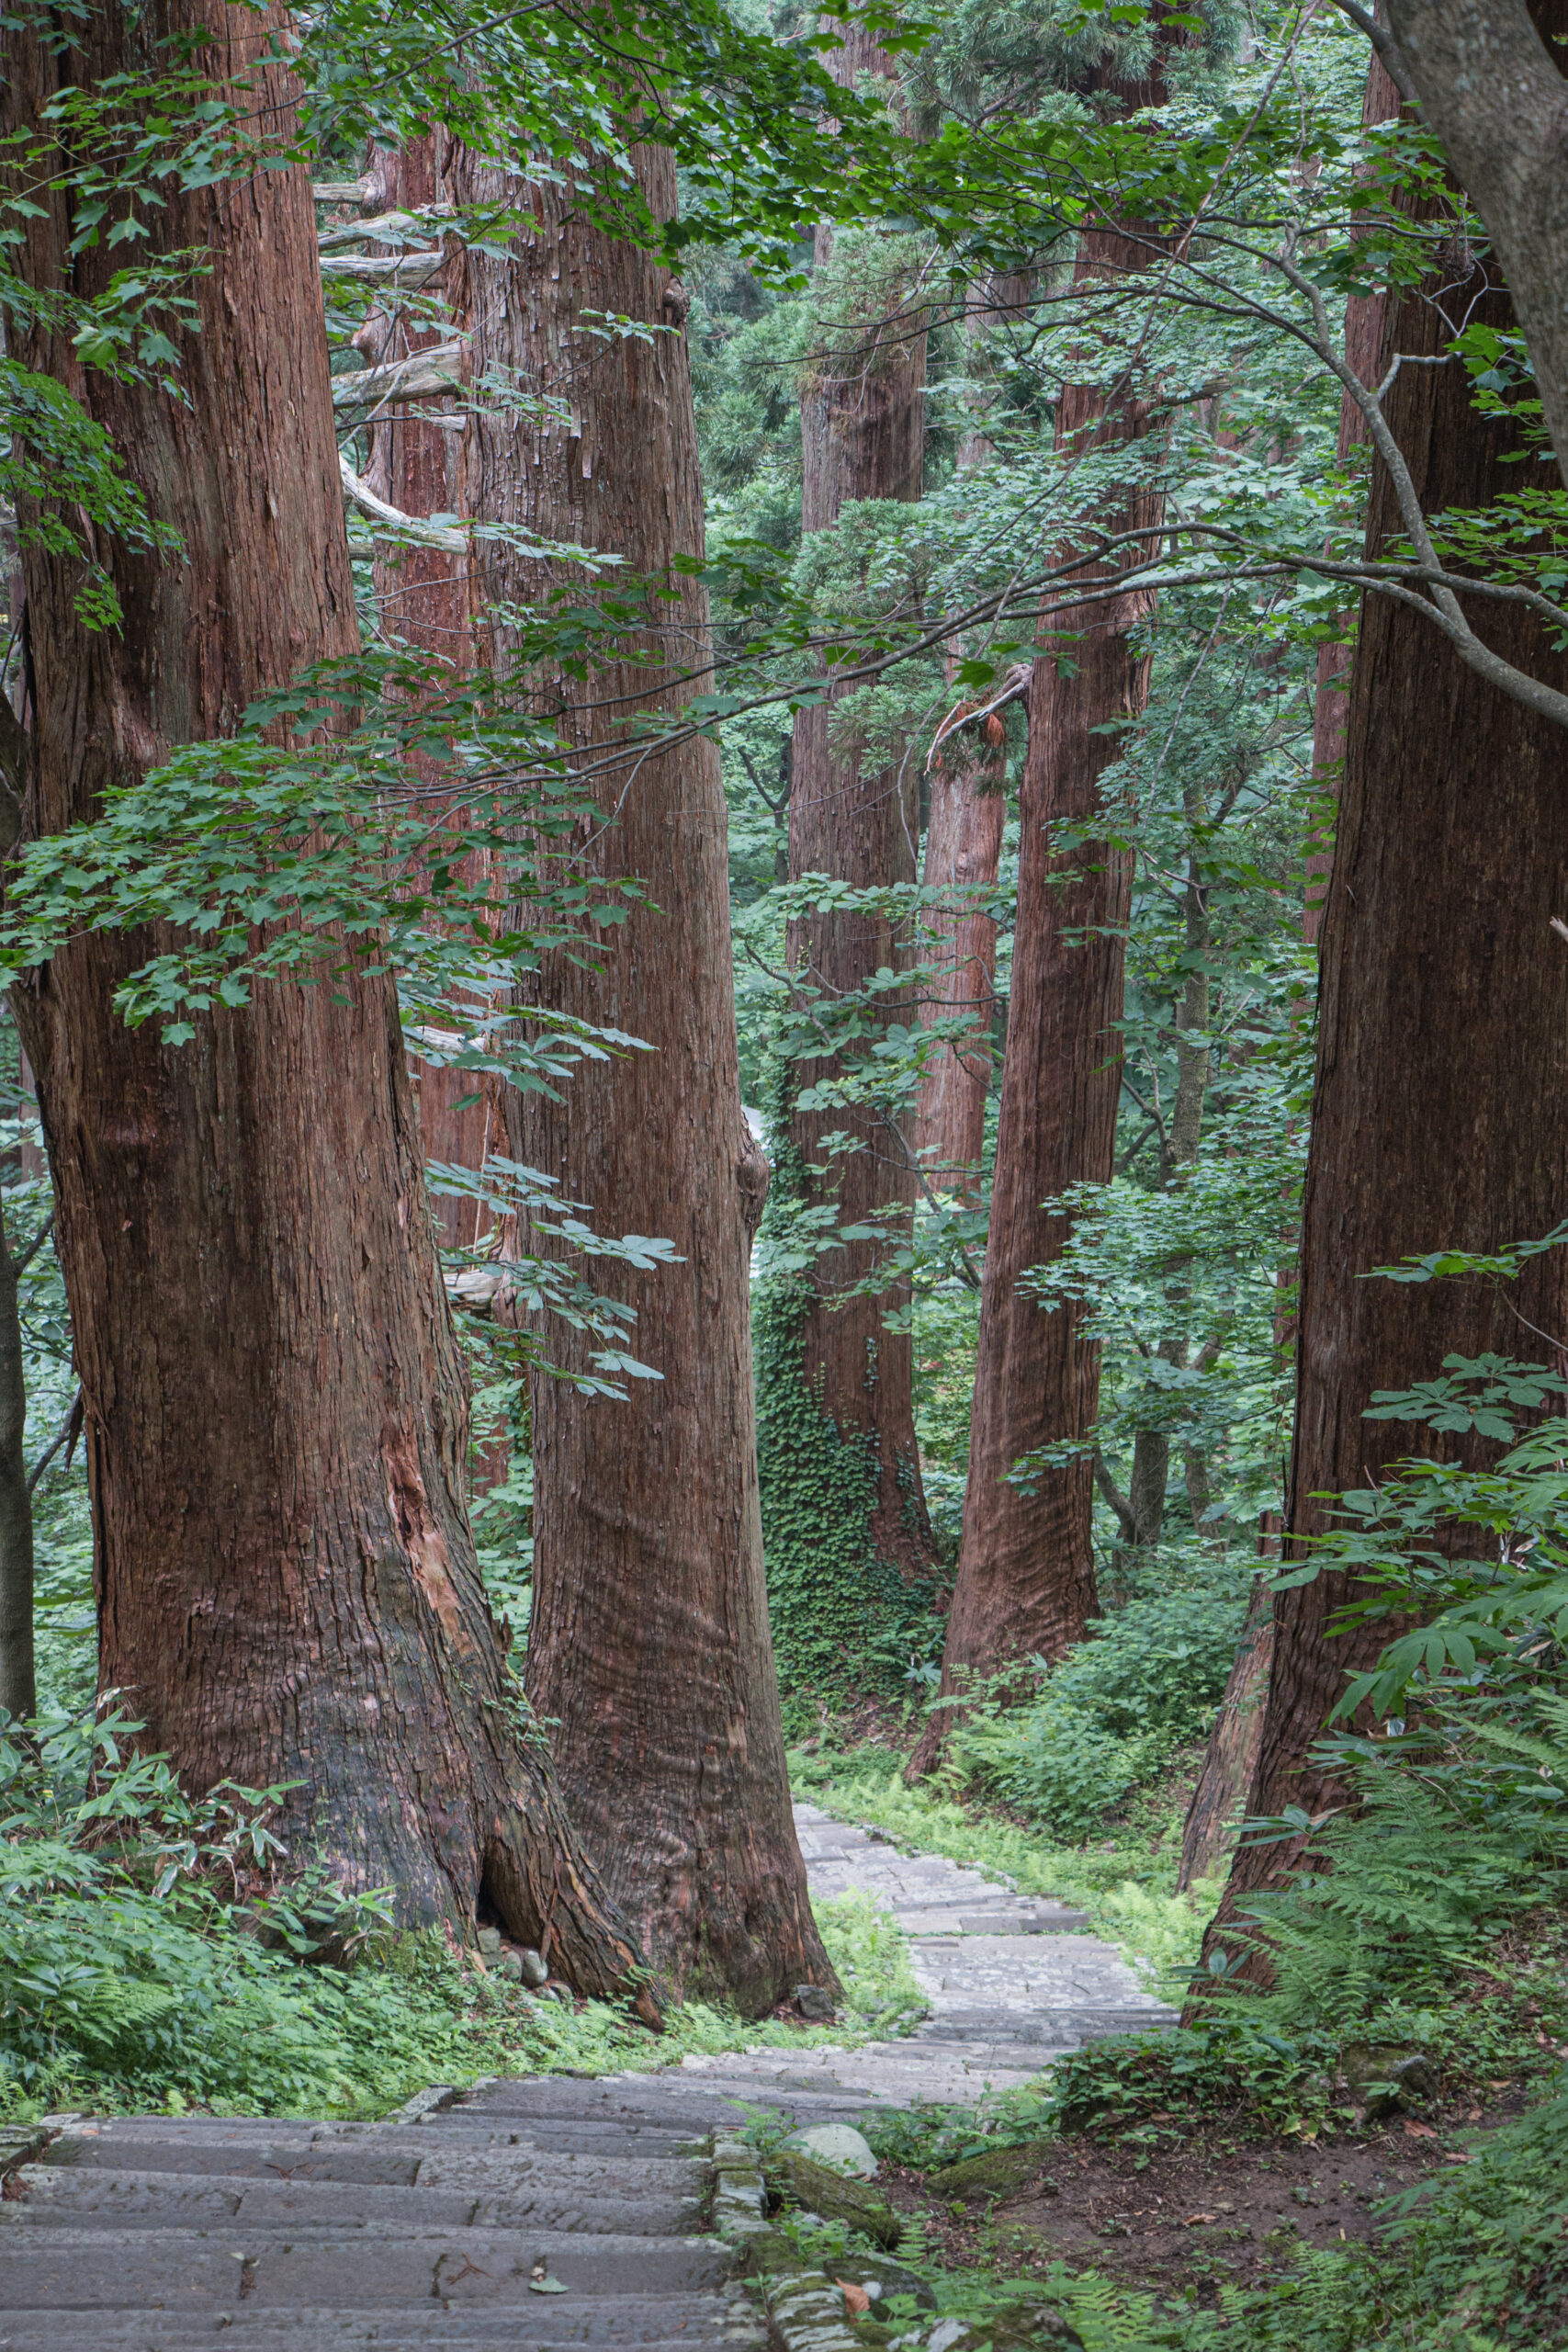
x,y
785,934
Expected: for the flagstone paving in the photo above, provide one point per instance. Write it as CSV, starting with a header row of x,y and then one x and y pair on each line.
x,y
530,2214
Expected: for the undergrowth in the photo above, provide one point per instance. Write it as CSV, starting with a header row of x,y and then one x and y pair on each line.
x,y
1125,1882
151,1956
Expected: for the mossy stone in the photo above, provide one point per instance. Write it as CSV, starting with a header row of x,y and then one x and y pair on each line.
x,y
816,2189
1000,2172
768,2254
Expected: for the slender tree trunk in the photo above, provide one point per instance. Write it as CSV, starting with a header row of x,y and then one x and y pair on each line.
x,y
1452,842
862,435
286,1579
18,1685
1231,1756
1026,1579
650,1648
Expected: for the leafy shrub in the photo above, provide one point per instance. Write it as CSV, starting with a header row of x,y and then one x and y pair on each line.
x,y
1118,1705
149,1957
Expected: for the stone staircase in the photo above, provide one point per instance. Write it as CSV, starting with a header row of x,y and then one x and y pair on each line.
x,y
536,2213
1011,1981
532,2213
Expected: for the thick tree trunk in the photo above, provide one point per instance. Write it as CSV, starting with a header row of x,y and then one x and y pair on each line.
x,y
1488,76
1026,1580
286,1578
963,844
18,1685
649,1647
1364,321
425,598
862,436
1452,843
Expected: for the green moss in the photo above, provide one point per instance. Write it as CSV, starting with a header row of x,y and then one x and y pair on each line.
x,y
816,2189
1001,2172
841,1609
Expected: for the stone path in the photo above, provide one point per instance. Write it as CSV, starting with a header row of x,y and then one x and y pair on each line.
x,y
1011,1981
431,2230
531,2214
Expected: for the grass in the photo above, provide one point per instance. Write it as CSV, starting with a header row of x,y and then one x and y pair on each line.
x,y
1125,1882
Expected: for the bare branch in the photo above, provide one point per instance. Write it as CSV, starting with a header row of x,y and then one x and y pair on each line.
x,y
434,370
1118,1502
407,271
426,535
1387,47
385,227
70,1429
1014,686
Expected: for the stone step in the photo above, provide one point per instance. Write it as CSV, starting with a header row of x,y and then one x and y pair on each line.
x,y
64,2196
673,2323
380,2148
268,2266
450,2162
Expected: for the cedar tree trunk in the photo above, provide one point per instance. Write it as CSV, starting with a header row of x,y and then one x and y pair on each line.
x,y
1231,1757
862,436
424,596
286,1579
1442,1048
649,1648
1026,1579
963,842
1488,76
18,1685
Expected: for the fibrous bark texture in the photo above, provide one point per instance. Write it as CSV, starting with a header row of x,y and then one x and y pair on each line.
x,y
964,841
1490,84
19,1686
286,1579
1026,1579
1442,1047
1230,1759
1364,320
862,436
424,597
650,1648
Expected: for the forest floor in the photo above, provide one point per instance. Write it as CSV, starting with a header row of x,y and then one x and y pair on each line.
x,y
1220,2207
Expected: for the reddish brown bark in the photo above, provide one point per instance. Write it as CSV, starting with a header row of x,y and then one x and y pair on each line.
x,y
424,599
649,1647
1230,1759
1364,321
863,433
1442,1048
964,841
964,844
1026,1579
286,1578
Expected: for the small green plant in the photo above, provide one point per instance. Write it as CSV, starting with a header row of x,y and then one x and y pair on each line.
x,y
1110,1716
151,1952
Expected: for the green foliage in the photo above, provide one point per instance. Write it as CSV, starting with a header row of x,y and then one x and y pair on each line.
x,y
1115,1710
151,1956
1125,1882
842,1612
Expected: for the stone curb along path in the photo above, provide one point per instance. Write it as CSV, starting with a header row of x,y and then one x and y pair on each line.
x,y
532,2213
